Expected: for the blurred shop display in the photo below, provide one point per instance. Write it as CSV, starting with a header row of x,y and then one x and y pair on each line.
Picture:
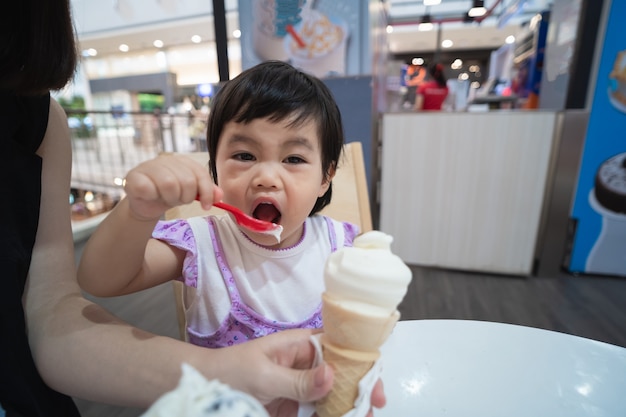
x,y
86,204
528,62
598,215
561,58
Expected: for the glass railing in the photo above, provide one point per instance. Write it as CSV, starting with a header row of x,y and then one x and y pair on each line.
x,y
107,144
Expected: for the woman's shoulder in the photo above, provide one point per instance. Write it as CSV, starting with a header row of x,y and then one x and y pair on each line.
x,y
24,118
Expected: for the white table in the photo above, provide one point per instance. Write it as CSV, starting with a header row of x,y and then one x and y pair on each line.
x,y
472,368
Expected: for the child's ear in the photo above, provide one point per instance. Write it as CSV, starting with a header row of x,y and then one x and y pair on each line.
x,y
327,180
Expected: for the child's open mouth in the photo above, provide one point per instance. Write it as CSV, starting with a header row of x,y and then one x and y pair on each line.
x,y
267,212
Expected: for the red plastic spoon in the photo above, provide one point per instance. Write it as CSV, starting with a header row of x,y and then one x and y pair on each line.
x,y
249,222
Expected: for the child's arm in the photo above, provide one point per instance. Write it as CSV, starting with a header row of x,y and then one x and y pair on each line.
x,y
120,257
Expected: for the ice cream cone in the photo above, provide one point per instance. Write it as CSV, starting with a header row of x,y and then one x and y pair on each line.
x,y
350,330
350,366
350,344
364,286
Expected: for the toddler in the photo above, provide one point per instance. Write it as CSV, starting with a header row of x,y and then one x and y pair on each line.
x,y
274,137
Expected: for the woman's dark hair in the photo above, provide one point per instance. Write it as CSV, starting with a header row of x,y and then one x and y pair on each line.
x,y
37,46
436,71
278,91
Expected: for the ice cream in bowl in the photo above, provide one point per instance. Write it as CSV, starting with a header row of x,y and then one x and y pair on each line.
x,y
364,285
195,396
320,48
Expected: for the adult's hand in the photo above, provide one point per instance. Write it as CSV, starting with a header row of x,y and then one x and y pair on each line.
x,y
281,375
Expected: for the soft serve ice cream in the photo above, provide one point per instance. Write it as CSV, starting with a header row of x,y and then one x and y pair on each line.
x,y
368,277
364,286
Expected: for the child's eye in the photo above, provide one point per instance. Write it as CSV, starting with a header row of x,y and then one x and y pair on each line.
x,y
294,160
244,156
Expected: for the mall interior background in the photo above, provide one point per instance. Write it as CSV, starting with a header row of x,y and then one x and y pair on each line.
x,y
149,69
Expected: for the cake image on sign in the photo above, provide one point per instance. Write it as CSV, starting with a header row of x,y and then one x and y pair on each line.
x,y
364,285
617,82
608,198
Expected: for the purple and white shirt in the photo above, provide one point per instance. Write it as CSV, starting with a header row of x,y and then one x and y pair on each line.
x,y
237,290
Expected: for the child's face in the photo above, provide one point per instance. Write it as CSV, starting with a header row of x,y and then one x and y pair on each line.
x,y
273,172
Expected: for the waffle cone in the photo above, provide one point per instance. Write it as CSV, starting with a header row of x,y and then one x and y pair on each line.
x,y
350,366
349,330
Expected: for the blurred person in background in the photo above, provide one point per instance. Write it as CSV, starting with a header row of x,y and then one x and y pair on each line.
x,y
432,93
415,75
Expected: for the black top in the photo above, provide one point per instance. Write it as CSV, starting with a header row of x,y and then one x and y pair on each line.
x,y
23,122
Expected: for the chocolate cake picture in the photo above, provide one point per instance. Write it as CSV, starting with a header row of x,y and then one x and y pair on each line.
x,y
610,184
608,199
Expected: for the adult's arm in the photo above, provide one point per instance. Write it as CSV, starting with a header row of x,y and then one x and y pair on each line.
x,y
419,102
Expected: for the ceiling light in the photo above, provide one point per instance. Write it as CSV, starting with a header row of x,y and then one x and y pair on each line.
x,y
510,39
89,52
426,24
389,29
447,43
417,61
158,43
236,34
123,47
478,9
196,39
431,2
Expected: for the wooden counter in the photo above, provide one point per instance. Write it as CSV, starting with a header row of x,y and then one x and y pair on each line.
x,y
465,190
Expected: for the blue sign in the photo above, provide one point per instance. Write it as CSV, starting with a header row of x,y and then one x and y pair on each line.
x,y
599,209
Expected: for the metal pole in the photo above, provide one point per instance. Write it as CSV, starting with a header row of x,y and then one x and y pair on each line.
x,y
221,39
438,46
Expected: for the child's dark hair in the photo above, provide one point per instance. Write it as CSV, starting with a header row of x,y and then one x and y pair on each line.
x,y
276,90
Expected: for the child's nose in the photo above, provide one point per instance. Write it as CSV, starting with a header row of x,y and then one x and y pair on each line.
x,y
267,175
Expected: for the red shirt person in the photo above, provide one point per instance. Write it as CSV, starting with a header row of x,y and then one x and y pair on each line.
x,y
432,93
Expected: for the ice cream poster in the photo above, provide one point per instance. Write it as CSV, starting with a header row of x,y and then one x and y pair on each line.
x,y
599,209
320,37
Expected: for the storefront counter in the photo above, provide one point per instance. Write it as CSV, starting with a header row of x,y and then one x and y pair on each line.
x,y
466,190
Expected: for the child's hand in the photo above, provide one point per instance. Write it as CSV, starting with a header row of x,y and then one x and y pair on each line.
x,y
167,181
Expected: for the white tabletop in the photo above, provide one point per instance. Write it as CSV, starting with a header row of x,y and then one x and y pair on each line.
x,y
472,368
